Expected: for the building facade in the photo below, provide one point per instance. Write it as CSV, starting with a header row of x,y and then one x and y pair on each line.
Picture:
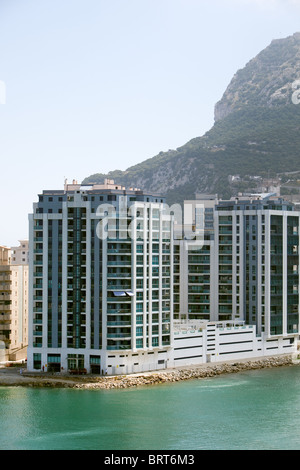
x,y
247,269
20,254
262,238
101,280
116,286
14,306
205,342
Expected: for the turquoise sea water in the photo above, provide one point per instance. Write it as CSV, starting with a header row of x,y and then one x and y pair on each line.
x,y
249,410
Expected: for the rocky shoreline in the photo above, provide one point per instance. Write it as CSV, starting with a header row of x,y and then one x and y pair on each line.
x,y
176,375
15,378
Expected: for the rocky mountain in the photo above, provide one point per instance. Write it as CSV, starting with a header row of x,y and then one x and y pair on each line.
x,y
266,80
256,133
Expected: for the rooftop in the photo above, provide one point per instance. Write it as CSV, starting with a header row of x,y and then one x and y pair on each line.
x,y
258,201
109,186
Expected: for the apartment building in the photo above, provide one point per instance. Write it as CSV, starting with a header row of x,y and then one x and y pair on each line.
x,y
101,280
20,254
14,288
247,269
195,282
261,236
116,287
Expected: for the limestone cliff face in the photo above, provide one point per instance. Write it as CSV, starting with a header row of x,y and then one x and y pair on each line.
x,y
267,80
256,132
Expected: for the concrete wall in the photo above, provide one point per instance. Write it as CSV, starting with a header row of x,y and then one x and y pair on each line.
x,y
221,344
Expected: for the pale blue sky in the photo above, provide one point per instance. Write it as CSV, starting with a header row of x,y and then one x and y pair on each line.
x,y
95,85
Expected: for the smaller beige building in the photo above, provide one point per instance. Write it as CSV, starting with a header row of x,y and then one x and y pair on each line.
x,y
13,306
20,254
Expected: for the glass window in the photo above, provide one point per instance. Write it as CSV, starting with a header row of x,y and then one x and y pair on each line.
x,y
37,361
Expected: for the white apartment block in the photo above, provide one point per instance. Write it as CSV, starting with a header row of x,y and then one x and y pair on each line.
x,y
114,289
101,280
247,269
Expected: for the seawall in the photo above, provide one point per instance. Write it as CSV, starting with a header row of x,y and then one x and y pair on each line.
x,y
17,377
187,373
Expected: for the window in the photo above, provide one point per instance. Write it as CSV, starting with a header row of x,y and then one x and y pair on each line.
x,y
37,361
155,260
139,331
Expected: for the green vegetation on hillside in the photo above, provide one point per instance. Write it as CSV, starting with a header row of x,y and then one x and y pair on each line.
x,y
259,135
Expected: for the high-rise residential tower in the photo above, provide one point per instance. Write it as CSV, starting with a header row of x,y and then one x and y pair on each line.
x,y
258,247
101,280
247,269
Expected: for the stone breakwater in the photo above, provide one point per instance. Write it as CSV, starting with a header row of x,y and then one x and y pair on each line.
x,y
189,373
26,379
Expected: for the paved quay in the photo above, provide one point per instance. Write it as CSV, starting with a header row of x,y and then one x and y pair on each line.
x,y
19,376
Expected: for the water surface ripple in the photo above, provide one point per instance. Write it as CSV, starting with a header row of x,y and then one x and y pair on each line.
x,y
250,410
